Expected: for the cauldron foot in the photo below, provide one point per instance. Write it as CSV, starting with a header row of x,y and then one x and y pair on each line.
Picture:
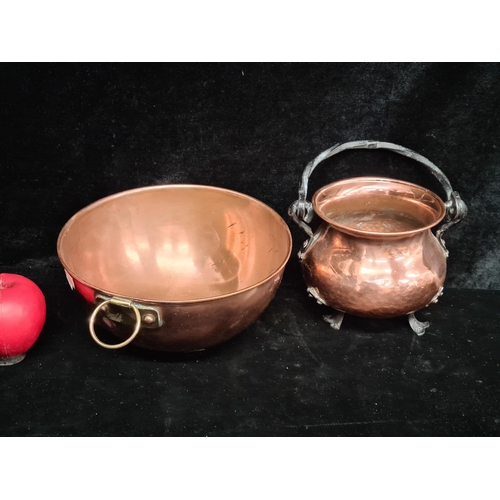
x,y
417,326
335,320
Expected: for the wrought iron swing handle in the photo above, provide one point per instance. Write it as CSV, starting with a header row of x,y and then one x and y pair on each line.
x,y
302,212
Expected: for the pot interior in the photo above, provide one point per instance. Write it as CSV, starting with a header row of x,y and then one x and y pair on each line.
x,y
174,243
378,207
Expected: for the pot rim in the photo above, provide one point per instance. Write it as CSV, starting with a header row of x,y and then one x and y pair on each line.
x,y
373,234
105,199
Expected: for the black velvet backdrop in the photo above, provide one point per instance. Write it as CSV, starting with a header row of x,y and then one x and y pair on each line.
x,y
73,133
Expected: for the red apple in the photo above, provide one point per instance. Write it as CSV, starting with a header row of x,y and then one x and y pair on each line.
x,y
22,316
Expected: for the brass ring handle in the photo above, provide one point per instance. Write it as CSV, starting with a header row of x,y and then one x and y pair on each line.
x,y
119,302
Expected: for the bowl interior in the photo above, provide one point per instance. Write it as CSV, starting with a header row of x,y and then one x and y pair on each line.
x,y
174,243
378,206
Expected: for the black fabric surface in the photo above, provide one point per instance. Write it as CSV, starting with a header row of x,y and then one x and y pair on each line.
x,y
73,133
289,374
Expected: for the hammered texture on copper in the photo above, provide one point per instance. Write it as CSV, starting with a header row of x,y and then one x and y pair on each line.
x,y
373,277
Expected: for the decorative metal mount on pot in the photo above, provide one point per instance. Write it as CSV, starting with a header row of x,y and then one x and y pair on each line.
x,y
374,254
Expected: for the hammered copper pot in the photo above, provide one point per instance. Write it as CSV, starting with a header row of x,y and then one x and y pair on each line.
x,y
374,254
175,267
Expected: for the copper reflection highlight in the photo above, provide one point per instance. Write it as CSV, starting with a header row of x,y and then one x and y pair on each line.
x,y
378,207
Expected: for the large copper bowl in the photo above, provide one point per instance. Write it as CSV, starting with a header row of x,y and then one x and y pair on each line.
x,y
175,267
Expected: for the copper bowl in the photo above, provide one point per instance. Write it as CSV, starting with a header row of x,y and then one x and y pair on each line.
x,y
175,267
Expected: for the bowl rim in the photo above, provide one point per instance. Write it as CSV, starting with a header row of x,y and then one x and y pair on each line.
x,y
120,194
373,234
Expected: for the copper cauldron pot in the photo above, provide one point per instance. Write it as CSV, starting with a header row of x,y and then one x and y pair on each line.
x,y
175,267
374,254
